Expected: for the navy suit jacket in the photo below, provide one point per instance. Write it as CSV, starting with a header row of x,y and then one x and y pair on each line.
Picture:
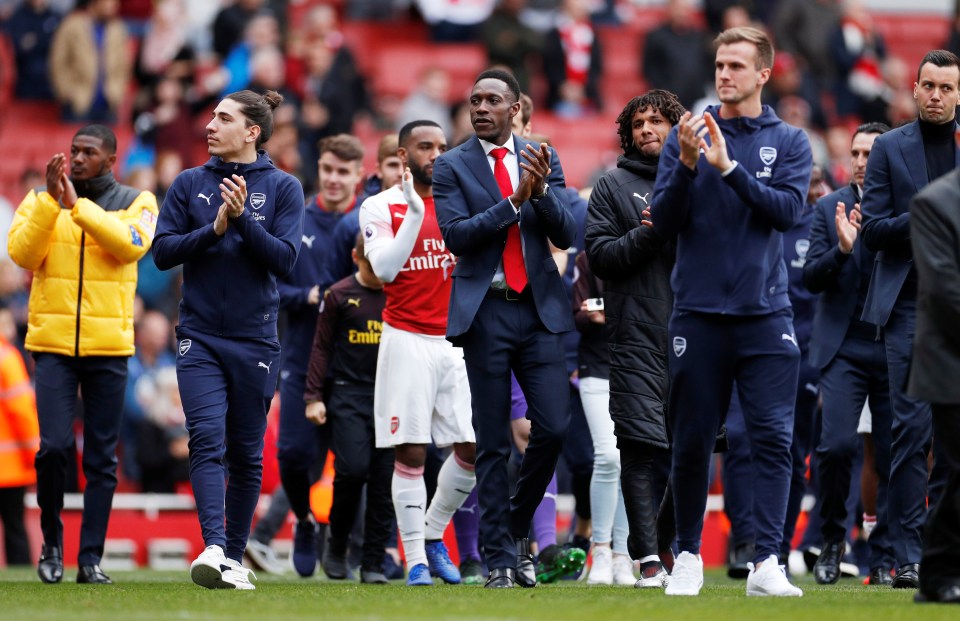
x,y
474,219
896,171
834,275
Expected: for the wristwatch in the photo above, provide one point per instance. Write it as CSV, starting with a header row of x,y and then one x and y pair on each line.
x,y
543,191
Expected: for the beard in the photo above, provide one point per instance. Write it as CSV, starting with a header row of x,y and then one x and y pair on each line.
x,y
420,174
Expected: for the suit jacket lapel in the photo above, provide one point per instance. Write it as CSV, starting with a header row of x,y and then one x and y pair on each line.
x,y
911,148
477,164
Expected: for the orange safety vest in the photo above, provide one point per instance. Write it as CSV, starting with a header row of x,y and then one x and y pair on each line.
x,y
19,429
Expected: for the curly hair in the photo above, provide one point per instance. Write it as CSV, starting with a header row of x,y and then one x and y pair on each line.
x,y
657,99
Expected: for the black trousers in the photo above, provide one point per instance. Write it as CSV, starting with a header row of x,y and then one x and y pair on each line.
x,y
644,472
15,540
358,462
101,381
940,564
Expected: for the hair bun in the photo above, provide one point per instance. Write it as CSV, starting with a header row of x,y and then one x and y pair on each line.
x,y
273,99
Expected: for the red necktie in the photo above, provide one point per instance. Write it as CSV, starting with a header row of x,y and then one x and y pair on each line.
x,y
513,269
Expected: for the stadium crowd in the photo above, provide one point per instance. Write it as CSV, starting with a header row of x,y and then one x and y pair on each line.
x,y
625,381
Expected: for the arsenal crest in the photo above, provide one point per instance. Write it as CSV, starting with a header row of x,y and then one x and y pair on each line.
x,y
394,424
258,200
679,345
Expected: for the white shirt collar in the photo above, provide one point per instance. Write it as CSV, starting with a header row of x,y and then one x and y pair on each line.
x,y
489,146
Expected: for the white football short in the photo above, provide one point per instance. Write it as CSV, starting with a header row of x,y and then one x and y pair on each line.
x,y
421,391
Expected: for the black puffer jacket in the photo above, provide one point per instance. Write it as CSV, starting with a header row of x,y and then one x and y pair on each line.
x,y
634,263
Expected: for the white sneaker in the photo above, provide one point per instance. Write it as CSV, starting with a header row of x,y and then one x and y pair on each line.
x,y
262,556
770,579
658,580
601,569
236,576
207,569
623,570
687,576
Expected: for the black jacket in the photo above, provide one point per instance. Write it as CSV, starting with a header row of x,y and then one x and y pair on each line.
x,y
635,264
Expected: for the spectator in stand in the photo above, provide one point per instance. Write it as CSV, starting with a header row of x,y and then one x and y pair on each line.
x,y
31,28
262,33
231,22
330,101
802,28
675,55
19,441
343,365
859,51
429,101
510,42
81,329
455,21
572,60
388,173
164,51
790,78
153,338
163,456
89,62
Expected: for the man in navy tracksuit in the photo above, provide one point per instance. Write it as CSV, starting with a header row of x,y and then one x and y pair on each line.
x,y
728,184
301,444
235,224
738,498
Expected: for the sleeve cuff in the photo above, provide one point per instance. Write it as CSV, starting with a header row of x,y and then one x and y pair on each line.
x,y
729,170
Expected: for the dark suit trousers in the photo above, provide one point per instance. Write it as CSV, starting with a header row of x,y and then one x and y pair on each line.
x,y
102,381
509,335
857,374
911,433
941,538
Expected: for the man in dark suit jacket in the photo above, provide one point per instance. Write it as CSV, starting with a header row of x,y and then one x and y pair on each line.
x,y
504,320
853,364
902,162
934,228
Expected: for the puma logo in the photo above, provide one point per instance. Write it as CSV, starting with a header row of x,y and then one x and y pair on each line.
x,y
789,337
643,198
420,506
308,241
264,365
354,301
206,198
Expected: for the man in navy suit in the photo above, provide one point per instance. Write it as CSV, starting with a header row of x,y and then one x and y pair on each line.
x,y
853,361
901,163
499,200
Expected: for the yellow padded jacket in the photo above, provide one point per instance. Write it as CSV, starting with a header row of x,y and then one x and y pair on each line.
x,y
19,429
85,269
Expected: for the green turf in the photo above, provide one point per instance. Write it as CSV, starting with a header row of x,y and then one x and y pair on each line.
x,y
170,596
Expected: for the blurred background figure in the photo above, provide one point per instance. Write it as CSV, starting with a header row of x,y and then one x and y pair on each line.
x,y
572,61
89,62
676,57
30,30
19,441
163,458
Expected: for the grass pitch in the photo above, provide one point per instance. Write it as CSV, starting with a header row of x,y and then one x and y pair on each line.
x,y
144,595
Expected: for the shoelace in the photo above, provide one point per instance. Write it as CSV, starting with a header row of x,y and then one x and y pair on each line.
x,y
244,572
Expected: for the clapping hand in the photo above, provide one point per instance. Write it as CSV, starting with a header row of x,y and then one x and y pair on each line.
x,y
536,170
848,227
233,191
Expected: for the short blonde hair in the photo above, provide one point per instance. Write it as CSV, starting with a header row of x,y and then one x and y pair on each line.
x,y
751,35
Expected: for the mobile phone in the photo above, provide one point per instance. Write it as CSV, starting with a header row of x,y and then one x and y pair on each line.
x,y
594,304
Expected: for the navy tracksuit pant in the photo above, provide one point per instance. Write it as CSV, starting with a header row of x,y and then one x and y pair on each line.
x,y
226,385
300,444
102,381
857,374
738,471
708,352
